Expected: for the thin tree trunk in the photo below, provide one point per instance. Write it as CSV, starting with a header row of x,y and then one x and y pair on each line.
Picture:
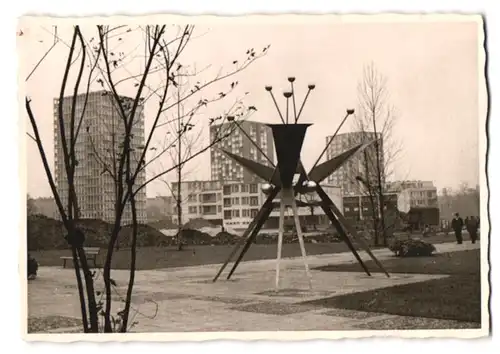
x,y
79,283
372,201
89,284
133,259
380,188
179,175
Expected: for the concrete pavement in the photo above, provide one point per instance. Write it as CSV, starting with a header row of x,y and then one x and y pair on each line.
x,y
186,299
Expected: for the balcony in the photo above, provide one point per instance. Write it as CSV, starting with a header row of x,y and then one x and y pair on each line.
x,y
209,198
209,210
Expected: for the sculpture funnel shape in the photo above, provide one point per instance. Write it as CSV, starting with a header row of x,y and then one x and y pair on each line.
x,y
288,140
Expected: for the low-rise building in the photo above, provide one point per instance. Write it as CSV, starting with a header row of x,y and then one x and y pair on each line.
x,y
234,204
361,207
417,194
199,199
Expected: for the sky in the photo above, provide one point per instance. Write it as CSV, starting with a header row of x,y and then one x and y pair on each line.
x,y
431,69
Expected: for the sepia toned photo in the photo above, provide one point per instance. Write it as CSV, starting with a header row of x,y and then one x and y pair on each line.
x,y
255,177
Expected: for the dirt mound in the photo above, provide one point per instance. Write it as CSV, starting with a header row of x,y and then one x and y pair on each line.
x,y
196,224
44,233
163,224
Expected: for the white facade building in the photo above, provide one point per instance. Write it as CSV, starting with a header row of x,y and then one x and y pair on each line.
x,y
199,199
417,194
234,204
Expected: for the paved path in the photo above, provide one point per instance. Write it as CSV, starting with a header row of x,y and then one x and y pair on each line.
x,y
186,299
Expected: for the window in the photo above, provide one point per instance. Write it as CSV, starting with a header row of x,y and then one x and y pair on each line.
x,y
192,210
254,188
254,201
253,212
236,201
245,200
227,202
227,214
244,188
236,213
226,190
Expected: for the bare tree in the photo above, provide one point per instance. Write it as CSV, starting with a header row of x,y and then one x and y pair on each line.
x,y
69,214
375,119
125,159
182,126
31,208
463,200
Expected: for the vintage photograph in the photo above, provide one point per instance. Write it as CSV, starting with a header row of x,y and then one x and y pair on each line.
x,y
284,176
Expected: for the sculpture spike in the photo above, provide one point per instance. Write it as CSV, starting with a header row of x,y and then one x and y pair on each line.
x,y
322,171
263,171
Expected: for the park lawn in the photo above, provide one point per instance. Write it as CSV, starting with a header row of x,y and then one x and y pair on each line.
x,y
455,297
169,257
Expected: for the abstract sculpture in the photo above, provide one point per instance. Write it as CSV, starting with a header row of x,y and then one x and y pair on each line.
x,y
288,140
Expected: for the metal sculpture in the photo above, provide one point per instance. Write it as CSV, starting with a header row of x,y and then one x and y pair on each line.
x,y
288,141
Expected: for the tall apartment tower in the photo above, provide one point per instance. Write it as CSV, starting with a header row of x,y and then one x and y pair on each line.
x,y
100,134
345,177
225,169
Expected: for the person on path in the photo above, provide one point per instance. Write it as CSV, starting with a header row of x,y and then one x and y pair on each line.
x,y
472,227
457,224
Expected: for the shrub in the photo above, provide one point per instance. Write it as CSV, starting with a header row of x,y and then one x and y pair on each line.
x,y
412,248
32,267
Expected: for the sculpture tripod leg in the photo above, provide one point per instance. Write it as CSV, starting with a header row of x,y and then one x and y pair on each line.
x,y
235,249
260,222
335,222
248,236
281,226
301,241
340,222
288,198
358,239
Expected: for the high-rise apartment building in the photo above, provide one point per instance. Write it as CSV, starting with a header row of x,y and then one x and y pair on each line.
x,y
225,169
98,143
345,176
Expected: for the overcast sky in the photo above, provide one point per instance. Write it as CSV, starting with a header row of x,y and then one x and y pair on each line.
x,y
431,70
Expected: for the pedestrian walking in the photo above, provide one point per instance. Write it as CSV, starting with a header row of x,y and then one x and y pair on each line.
x,y
472,227
457,225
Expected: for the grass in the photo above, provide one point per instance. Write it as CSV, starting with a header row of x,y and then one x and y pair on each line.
x,y
47,323
456,297
168,257
462,262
